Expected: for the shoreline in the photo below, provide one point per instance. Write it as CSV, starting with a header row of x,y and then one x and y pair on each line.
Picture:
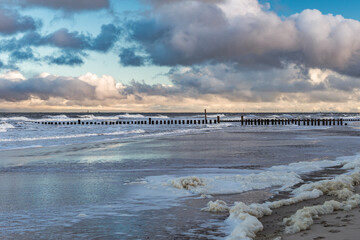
x,y
273,226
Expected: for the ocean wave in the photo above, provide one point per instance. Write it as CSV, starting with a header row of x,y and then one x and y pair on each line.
x,y
127,115
210,115
93,117
5,126
20,118
60,117
137,131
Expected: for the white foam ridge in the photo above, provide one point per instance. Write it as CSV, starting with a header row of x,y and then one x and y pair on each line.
x,y
188,183
228,184
244,219
5,126
305,167
216,207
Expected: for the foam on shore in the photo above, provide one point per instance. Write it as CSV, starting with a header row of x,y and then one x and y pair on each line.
x,y
244,219
230,183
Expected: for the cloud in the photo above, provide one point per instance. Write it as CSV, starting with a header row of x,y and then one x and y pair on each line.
x,y
14,87
64,39
67,5
12,22
21,55
71,43
106,39
129,58
66,58
248,34
291,89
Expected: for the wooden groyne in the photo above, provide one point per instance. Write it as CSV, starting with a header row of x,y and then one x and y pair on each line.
x,y
242,122
299,122
150,121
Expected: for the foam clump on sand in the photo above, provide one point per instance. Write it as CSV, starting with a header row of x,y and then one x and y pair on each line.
x,y
299,198
248,228
303,218
216,206
341,187
256,210
246,219
188,183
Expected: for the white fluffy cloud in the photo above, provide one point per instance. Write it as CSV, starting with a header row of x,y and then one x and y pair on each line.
x,y
247,33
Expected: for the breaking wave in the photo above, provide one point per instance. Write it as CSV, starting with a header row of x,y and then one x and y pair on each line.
x,y
137,131
5,126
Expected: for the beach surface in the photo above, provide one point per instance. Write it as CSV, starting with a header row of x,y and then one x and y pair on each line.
x,y
127,187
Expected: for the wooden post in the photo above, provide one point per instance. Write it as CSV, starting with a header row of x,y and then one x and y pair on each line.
x,y
205,116
242,120
218,119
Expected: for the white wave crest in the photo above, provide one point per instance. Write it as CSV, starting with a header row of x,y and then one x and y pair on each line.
x,y
59,117
5,126
21,118
127,115
137,131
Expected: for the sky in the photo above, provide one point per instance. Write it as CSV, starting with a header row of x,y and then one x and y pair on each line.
x,y
180,55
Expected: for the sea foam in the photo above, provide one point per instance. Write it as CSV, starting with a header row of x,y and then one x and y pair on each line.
x,y
244,219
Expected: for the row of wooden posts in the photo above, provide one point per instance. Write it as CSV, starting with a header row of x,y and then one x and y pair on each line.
x,y
150,122
300,122
242,121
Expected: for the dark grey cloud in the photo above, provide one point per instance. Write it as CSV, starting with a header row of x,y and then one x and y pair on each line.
x,y
106,39
64,39
21,55
12,22
163,2
67,5
129,58
44,88
246,33
225,81
66,58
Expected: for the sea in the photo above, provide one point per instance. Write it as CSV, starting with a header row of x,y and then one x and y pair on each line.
x,y
153,181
